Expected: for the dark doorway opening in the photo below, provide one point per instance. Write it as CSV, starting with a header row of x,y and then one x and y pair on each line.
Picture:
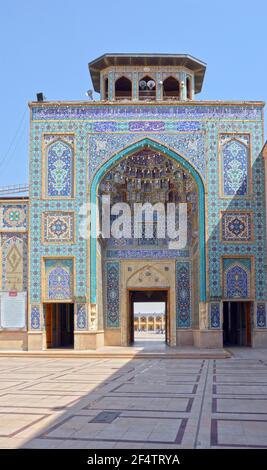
x,y
123,88
148,316
59,325
171,89
237,324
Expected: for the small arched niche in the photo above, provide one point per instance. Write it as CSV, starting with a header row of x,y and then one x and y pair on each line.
x,y
171,89
123,89
147,89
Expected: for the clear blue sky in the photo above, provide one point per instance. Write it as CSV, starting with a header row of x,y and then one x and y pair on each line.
x,y
46,46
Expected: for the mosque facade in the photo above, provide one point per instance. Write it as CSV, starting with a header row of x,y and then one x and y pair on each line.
x,y
147,140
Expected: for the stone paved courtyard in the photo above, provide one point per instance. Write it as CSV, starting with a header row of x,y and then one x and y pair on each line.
x,y
136,403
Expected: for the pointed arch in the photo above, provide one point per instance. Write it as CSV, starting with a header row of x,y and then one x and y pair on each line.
x,y
58,289
235,156
171,88
141,272
59,169
123,88
237,281
169,153
234,139
147,88
147,267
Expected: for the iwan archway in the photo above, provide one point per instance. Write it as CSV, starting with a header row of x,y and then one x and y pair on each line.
x,y
132,156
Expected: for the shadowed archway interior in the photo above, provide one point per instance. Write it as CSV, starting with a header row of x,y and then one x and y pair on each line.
x,y
147,173
120,157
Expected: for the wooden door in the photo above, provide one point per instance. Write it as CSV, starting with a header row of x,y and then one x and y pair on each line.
x,y
248,323
131,320
167,320
48,324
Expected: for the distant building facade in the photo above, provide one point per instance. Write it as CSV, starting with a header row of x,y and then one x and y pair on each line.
x,y
149,322
146,140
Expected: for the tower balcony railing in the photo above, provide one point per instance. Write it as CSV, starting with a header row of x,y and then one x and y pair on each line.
x,y
123,95
171,97
147,95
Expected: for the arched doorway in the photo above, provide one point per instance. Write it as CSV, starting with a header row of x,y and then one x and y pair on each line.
x,y
145,172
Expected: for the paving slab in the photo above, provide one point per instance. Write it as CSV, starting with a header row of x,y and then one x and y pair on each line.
x,y
144,403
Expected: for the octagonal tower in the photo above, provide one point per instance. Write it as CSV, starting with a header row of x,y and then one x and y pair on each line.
x,y
147,77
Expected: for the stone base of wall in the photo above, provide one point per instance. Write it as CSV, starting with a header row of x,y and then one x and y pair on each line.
x,y
209,339
113,337
259,338
13,340
84,340
199,338
35,341
184,338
